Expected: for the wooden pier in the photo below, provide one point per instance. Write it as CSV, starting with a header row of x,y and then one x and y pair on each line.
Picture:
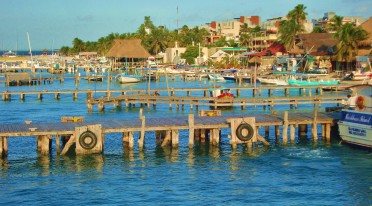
x,y
175,94
89,137
195,101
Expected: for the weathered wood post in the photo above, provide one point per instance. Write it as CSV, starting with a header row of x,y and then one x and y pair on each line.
x,y
44,144
89,139
3,146
302,130
314,125
292,133
141,140
267,131
243,131
277,132
125,139
285,128
58,144
175,137
191,130
328,132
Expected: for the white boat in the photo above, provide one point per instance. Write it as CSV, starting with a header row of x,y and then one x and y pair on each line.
x,y
358,75
355,124
216,77
169,70
10,54
127,78
280,82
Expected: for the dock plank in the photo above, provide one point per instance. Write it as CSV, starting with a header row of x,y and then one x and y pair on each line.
x,y
22,129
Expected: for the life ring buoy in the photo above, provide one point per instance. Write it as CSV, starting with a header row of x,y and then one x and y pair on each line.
x,y
244,132
88,140
360,103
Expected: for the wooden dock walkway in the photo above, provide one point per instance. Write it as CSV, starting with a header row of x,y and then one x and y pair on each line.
x,y
186,96
89,136
196,101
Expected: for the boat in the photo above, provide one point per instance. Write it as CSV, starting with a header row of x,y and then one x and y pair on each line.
x,y
296,82
274,81
223,96
216,77
229,74
358,75
127,78
95,78
316,72
356,120
10,54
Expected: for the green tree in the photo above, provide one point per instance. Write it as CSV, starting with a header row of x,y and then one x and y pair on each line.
x,y
318,29
158,40
348,37
245,35
64,50
335,24
190,54
287,33
298,14
289,29
78,45
221,42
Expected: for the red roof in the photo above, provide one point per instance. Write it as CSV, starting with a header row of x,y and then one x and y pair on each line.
x,y
274,48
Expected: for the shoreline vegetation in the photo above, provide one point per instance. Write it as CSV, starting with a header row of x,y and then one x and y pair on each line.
x,y
157,38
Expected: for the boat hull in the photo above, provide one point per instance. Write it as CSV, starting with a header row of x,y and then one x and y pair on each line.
x,y
355,128
312,83
127,79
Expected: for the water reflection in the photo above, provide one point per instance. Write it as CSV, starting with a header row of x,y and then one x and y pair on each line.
x,y
43,162
80,163
4,165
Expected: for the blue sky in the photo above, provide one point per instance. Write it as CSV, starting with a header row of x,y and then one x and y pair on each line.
x,y
55,23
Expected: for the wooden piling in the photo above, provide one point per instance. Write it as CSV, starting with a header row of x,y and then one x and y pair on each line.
x,y
314,131
285,129
191,130
175,138
141,140
43,144
3,146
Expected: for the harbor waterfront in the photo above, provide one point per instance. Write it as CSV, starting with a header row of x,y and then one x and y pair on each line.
x,y
305,172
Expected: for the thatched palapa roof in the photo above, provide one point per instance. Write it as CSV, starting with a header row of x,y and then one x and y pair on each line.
x,y
129,48
319,43
367,26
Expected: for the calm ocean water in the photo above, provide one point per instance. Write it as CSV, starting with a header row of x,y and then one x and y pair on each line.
x,y
301,174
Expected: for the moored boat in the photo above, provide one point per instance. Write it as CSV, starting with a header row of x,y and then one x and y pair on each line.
x,y
295,82
127,78
358,75
274,81
355,124
223,96
216,77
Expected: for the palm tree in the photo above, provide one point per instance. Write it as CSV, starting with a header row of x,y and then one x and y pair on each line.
x,y
158,40
298,14
349,36
245,35
289,29
287,32
335,24
78,45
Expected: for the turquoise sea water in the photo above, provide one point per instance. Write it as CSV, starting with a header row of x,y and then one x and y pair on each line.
x,y
301,174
